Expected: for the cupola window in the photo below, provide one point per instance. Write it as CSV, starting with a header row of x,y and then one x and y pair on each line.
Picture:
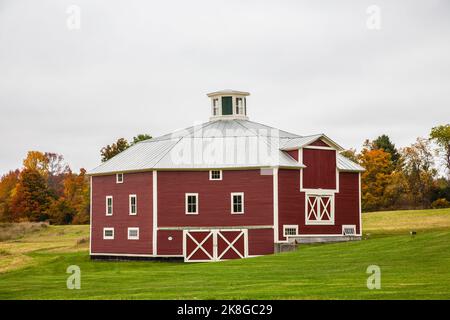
x,y
215,107
227,106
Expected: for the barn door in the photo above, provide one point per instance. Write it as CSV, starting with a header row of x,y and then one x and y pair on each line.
x,y
214,245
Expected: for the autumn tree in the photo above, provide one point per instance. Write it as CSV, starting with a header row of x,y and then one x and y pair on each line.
x,y
76,193
31,198
57,169
8,184
419,171
350,154
441,136
38,161
376,178
114,149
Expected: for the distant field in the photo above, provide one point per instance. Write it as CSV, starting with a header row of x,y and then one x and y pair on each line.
x,y
412,267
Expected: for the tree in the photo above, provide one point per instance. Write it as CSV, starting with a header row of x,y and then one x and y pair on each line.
x,y
57,169
38,161
8,184
114,149
350,154
61,212
31,198
419,171
376,178
141,137
383,142
441,136
77,196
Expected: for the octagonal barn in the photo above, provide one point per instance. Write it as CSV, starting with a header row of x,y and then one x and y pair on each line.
x,y
225,189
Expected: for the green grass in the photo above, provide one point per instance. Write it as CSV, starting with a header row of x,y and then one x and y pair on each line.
x,y
411,268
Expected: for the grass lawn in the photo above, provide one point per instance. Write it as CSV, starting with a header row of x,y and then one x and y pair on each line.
x,y
411,267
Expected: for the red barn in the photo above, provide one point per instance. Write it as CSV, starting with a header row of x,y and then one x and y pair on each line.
x,y
225,189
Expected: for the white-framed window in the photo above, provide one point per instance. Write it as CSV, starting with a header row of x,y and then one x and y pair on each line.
x,y
215,175
237,202
319,208
191,203
215,103
133,233
109,205
239,106
348,229
133,204
119,177
108,233
290,230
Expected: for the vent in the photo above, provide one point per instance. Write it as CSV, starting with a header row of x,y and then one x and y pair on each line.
x,y
349,230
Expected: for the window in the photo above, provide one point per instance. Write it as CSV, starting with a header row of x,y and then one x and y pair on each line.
x,y
320,209
227,106
239,106
119,178
109,205
215,175
133,204
215,107
191,203
108,233
133,233
237,202
348,229
290,230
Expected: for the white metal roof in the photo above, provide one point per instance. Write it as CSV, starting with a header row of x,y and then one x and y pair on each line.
x,y
345,164
215,144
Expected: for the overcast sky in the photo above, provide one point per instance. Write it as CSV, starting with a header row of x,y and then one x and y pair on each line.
x,y
145,67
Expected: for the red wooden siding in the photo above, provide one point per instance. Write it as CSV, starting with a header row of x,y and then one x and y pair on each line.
x,y
170,247
260,242
214,198
293,154
292,204
320,171
139,184
319,143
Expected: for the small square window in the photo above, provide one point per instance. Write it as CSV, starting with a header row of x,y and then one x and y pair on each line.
x,y
215,175
348,229
133,204
108,233
191,203
237,202
133,233
290,230
119,178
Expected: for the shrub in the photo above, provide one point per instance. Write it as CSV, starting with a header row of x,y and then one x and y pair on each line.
x,y
440,203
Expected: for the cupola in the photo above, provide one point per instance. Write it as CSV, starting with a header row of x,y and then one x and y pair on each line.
x,y
228,105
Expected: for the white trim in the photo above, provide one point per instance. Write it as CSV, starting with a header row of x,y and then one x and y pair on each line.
x,y
108,237
134,237
130,206
360,208
214,228
318,203
290,226
348,226
134,255
117,177
275,206
186,203
214,234
155,213
90,215
232,202
319,147
211,178
107,206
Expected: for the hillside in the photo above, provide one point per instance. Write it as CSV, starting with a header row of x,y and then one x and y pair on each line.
x,y
412,267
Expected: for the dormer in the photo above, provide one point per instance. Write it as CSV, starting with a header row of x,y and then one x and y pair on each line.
x,y
228,105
